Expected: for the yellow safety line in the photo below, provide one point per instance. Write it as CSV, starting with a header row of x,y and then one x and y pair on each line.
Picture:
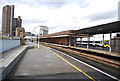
x,y
72,65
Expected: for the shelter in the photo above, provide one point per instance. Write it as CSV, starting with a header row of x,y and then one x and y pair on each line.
x,y
64,38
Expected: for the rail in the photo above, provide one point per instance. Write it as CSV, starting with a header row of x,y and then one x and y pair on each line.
x,y
100,59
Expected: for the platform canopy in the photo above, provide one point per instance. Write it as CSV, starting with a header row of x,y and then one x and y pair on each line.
x,y
100,29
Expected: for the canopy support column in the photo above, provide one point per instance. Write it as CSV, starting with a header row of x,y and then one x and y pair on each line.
x,y
69,41
88,40
110,41
81,41
74,41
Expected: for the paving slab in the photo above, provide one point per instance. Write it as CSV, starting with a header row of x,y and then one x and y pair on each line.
x,y
10,52
40,61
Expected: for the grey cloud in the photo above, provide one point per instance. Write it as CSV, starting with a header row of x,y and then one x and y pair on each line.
x,y
102,16
35,3
52,5
52,27
55,27
35,21
82,3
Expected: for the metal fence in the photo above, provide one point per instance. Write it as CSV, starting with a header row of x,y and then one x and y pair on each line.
x,y
7,36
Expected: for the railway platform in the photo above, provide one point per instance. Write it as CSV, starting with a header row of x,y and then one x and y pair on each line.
x,y
48,63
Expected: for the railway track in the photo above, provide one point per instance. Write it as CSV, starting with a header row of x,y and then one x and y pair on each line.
x,y
109,64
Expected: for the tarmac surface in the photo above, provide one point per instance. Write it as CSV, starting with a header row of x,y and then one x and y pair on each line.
x,y
48,63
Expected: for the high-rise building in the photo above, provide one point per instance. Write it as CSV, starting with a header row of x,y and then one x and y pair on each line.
x,y
17,23
44,30
8,19
12,20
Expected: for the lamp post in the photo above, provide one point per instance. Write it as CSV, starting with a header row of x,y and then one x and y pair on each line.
x,y
38,35
39,38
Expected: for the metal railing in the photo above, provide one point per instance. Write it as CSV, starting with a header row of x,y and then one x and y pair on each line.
x,y
7,36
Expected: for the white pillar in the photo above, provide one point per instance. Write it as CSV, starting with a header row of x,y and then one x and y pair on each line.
x,y
69,41
103,40
88,40
81,41
39,39
110,41
74,41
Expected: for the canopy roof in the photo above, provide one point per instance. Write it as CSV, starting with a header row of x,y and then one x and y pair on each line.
x,y
100,29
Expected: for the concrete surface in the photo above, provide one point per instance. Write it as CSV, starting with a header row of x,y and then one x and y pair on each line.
x,y
43,64
98,76
10,58
9,62
8,53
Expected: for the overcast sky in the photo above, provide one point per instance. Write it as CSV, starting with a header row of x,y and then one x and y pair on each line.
x,y
60,15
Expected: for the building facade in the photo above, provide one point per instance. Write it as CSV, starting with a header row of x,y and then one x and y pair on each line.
x,y
19,30
12,20
9,23
119,10
44,30
8,19
17,23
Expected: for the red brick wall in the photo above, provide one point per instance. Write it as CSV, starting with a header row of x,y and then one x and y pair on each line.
x,y
60,40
